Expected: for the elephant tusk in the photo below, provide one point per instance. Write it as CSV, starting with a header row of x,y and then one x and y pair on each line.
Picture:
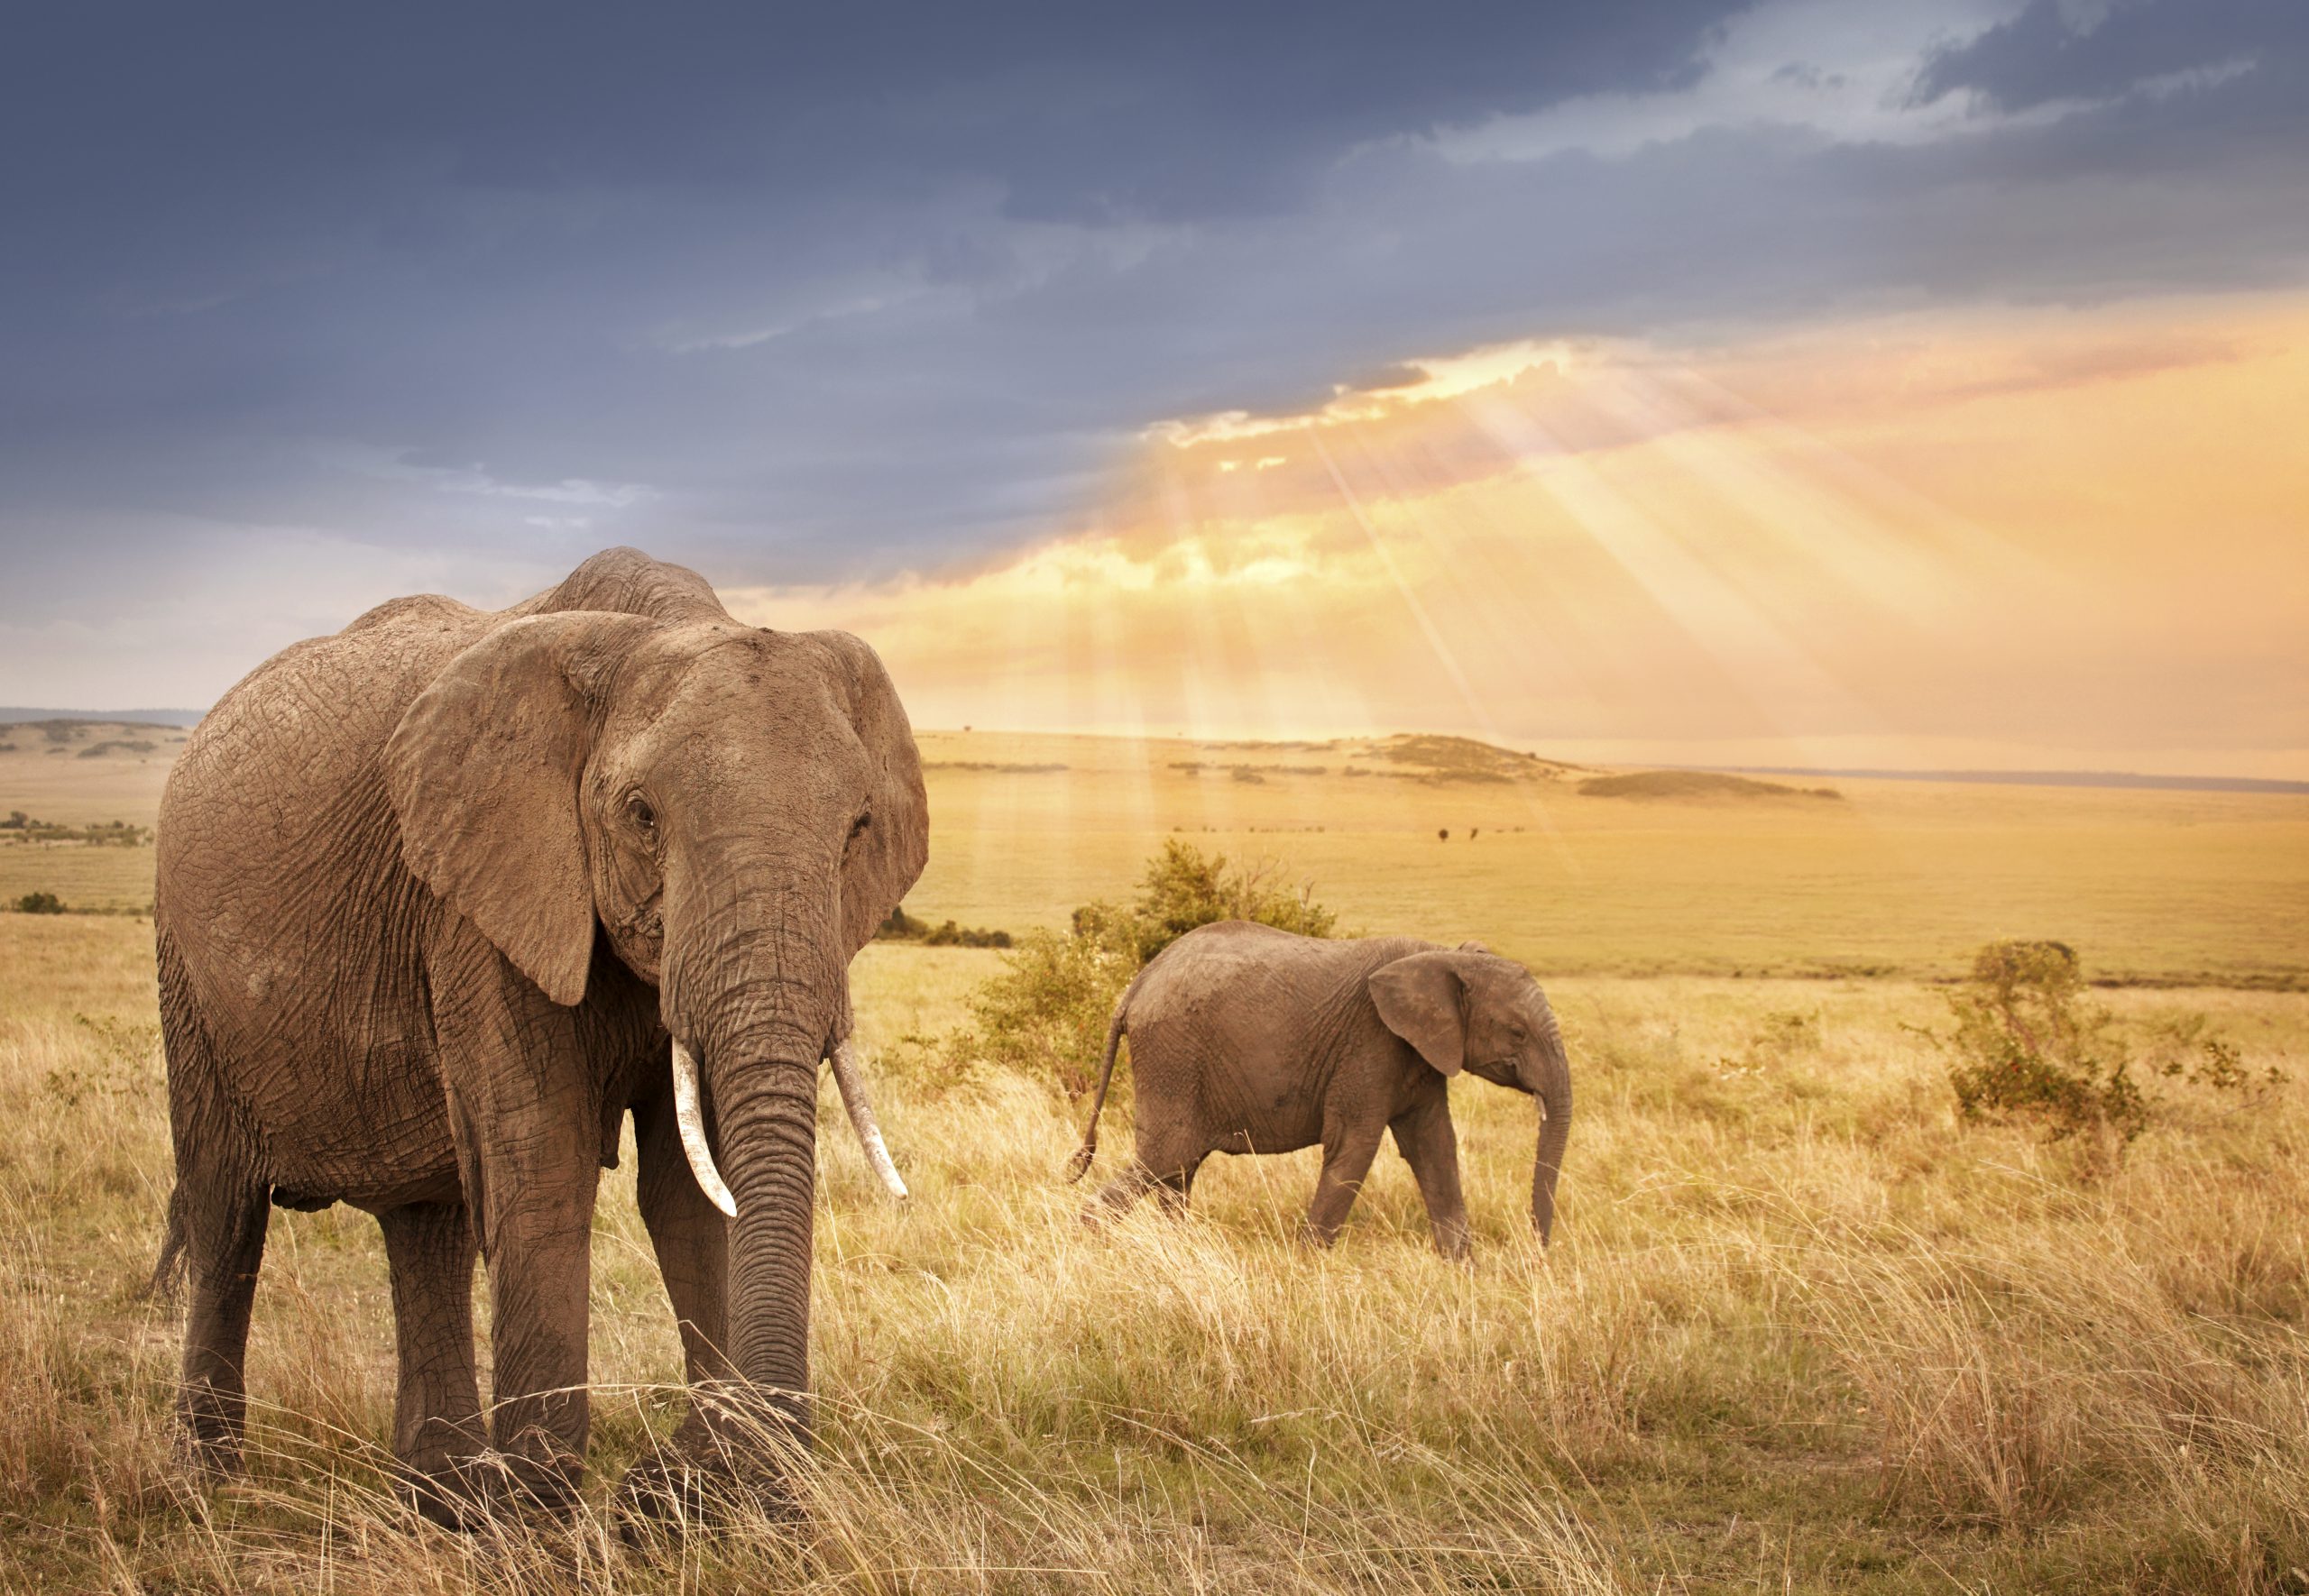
x,y
861,1117
689,1113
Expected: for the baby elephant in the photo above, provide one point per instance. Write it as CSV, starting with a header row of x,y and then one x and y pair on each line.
x,y
1245,1038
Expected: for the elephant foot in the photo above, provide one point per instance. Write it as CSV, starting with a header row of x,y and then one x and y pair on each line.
x,y
491,1488
674,1491
442,1496
1454,1247
208,1432
213,1458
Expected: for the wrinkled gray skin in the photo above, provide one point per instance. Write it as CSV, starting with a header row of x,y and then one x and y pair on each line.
x,y
1245,1038
433,893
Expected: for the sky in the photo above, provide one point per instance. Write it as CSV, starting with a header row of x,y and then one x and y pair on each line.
x,y
1797,381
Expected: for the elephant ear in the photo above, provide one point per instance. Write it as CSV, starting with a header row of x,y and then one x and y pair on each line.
x,y
883,861
483,774
1423,1000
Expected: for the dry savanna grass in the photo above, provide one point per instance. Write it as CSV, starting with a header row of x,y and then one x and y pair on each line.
x,y
1802,1329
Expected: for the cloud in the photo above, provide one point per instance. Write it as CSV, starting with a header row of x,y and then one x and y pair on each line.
x,y
2053,52
1654,552
796,301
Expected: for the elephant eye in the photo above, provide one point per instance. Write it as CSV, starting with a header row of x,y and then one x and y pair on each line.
x,y
638,810
858,828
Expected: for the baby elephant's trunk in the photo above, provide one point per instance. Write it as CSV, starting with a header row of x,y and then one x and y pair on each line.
x,y
1555,1100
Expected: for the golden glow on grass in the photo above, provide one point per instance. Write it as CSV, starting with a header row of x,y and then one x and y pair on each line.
x,y
1799,1329
2059,540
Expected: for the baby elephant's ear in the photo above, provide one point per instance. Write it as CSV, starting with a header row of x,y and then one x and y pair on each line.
x,y
1423,1001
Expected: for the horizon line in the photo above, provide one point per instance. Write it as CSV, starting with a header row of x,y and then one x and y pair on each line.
x,y
21,714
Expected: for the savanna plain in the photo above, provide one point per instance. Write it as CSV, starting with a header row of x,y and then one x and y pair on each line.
x,y
1804,1328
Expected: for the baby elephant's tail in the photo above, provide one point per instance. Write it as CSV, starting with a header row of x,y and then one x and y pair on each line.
x,y
1080,1162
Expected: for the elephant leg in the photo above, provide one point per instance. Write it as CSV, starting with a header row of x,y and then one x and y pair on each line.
x,y
691,1239
1348,1152
1174,1184
225,1248
539,1255
527,1126
1119,1193
691,1242
1424,1136
217,1217
436,1413
1164,1164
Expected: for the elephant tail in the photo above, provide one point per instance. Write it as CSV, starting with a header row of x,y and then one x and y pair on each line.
x,y
1080,1164
162,1286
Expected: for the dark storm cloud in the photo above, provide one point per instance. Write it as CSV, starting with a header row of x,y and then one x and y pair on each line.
x,y
798,295
2052,52
239,236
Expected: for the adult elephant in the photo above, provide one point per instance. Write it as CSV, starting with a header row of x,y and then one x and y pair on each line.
x,y
441,898
1245,1038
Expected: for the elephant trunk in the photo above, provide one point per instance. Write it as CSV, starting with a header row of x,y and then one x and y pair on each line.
x,y
755,1009
1553,1089
766,1106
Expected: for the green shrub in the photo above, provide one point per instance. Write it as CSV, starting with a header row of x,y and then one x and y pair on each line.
x,y
1046,1015
950,935
2182,1048
900,927
39,903
97,833
903,927
1182,888
2027,1047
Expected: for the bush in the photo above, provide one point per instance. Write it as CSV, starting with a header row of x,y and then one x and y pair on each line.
x,y
950,935
900,927
1183,889
2183,1048
2028,1048
39,903
903,927
1046,1015
25,827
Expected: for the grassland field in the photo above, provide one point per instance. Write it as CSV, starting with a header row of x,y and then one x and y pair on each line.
x,y
1802,1330
1888,879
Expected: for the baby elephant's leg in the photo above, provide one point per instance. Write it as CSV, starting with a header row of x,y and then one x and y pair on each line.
x,y
1165,1165
1118,1193
1348,1152
1175,1182
1424,1135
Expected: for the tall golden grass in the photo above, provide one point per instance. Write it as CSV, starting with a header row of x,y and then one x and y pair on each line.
x,y
1800,1331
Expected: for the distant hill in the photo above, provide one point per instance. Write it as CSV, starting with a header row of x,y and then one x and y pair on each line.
x,y
1693,784
17,715
1427,758
1463,758
2051,778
